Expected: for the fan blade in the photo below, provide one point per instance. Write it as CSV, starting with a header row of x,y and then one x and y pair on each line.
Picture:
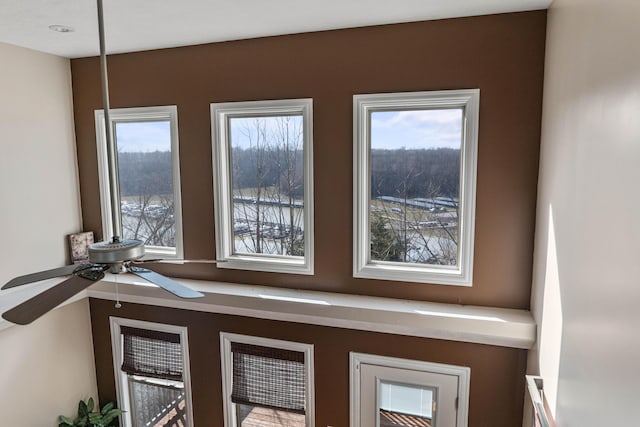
x,y
42,275
165,283
40,304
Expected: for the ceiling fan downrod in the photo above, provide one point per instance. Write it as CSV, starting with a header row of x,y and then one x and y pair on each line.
x,y
112,154
118,250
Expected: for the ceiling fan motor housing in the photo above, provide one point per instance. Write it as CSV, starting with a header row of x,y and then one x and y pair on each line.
x,y
115,252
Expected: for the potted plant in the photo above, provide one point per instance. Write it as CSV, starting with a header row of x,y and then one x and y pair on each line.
x,y
88,418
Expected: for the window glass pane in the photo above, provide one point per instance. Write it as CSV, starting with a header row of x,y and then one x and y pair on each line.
x,y
415,185
267,183
156,403
405,405
255,416
146,181
268,377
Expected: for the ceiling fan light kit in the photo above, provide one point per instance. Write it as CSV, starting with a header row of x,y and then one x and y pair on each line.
x,y
115,256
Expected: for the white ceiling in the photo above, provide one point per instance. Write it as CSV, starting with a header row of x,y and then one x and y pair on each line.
x,y
133,25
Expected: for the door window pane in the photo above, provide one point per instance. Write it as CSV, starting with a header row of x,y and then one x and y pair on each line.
x,y
405,405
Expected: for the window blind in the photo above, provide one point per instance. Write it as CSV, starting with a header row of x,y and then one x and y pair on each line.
x,y
151,353
268,377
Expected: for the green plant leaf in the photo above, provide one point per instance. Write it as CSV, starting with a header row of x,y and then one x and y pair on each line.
x,y
88,418
82,409
96,419
65,420
114,412
82,421
106,408
111,415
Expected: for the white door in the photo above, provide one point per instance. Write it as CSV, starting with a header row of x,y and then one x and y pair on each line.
x,y
397,396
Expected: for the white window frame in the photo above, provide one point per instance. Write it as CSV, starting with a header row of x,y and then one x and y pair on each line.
x,y
463,374
223,194
363,266
141,114
122,385
226,364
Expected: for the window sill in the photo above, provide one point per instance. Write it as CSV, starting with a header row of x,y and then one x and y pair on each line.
x,y
483,325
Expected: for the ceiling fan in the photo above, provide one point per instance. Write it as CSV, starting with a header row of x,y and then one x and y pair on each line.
x,y
116,256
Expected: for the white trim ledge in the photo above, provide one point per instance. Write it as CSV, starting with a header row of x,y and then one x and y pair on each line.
x,y
481,325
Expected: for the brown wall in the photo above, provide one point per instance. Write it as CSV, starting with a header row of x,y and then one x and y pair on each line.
x,y
500,54
497,373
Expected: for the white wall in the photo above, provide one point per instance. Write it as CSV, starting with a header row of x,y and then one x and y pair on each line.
x,y
46,367
586,294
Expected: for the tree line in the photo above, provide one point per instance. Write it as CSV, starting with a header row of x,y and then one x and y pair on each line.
x,y
145,173
401,172
145,178
410,173
269,166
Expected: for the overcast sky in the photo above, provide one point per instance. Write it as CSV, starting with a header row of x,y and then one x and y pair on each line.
x,y
243,130
389,130
143,136
416,129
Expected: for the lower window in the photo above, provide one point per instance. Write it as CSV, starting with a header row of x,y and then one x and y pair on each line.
x,y
152,381
266,383
390,392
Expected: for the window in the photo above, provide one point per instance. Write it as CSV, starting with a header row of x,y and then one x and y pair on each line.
x,y
146,140
414,186
266,382
151,365
388,392
263,185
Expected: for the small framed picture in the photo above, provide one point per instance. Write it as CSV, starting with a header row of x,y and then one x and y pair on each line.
x,y
79,246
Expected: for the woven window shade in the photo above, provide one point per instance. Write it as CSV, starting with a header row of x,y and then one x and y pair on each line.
x,y
152,353
268,377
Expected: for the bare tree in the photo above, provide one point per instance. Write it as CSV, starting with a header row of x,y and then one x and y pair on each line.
x,y
414,216
147,206
288,137
267,180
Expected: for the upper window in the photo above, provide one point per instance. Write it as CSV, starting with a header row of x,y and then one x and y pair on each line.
x,y
146,140
151,363
263,185
266,382
414,185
